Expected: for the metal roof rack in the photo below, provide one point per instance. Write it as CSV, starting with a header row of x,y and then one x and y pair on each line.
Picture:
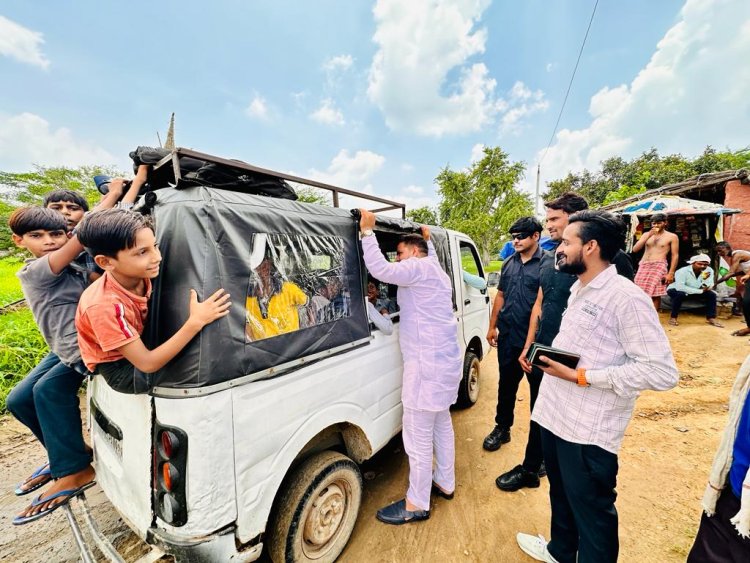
x,y
174,173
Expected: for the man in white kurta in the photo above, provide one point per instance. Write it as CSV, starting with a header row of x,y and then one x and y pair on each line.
x,y
432,366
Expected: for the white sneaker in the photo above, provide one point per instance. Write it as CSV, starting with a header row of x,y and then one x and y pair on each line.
x,y
535,546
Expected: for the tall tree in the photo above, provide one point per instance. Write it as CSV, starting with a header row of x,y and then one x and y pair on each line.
x,y
484,200
619,179
424,215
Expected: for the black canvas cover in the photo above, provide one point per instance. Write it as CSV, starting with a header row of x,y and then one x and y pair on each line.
x,y
211,239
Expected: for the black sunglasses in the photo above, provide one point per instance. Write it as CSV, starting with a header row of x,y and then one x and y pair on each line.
x,y
520,236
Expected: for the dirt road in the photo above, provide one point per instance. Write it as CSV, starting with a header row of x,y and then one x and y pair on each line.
x,y
664,464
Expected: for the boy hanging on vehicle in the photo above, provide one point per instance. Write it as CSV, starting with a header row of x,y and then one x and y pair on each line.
x,y
74,206
46,400
112,311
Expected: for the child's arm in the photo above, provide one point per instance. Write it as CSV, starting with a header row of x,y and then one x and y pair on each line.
x,y
63,256
135,186
201,314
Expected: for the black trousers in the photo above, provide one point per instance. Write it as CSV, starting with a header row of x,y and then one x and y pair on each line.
x,y
746,304
582,494
708,297
717,540
511,375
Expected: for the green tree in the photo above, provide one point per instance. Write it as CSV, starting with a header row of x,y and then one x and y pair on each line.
x,y
484,200
424,215
307,194
619,179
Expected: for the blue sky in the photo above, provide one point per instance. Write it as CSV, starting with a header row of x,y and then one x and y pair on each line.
x,y
374,96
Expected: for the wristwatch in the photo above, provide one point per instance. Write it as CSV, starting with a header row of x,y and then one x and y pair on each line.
x,y
367,233
581,377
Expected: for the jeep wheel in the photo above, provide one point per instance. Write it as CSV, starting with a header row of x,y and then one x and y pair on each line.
x,y
316,512
468,390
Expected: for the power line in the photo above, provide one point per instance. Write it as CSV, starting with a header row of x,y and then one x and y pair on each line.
x,y
570,84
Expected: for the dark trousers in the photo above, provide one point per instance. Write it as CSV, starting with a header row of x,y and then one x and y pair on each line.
x,y
717,540
746,304
46,401
582,481
708,298
511,375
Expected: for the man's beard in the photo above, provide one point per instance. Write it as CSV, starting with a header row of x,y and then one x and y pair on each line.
x,y
576,267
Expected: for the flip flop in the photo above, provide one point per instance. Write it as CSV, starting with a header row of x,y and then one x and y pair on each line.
x,y
41,471
68,493
717,324
673,322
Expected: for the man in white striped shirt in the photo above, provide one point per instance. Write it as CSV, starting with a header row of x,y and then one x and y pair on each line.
x,y
583,412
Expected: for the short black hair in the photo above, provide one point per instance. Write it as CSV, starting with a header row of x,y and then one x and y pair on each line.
x,y
35,218
526,225
658,217
66,195
569,202
603,227
724,244
109,231
415,240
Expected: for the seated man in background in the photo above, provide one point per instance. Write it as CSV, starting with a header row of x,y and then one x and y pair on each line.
x,y
377,309
272,305
694,282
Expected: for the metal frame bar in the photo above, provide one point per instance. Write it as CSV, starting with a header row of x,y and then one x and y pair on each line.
x,y
336,191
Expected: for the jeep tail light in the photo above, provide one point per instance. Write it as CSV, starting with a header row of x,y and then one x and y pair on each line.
x,y
170,449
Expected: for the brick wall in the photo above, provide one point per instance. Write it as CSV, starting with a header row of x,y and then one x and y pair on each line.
x,y
737,227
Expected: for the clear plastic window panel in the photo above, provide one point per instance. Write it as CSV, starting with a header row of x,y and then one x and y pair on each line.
x,y
296,282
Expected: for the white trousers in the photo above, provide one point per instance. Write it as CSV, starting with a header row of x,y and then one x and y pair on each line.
x,y
425,433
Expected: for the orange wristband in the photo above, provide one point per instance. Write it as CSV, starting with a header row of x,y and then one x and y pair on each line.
x,y
581,374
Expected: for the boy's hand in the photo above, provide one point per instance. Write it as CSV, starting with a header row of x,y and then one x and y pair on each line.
x,y
117,186
206,312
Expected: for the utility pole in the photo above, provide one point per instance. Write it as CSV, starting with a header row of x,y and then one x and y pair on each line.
x,y
536,198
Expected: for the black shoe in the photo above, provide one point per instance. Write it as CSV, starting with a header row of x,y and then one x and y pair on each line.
x,y
396,513
496,438
517,478
542,471
441,493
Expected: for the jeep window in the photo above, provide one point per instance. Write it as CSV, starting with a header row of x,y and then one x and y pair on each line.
x,y
469,260
296,282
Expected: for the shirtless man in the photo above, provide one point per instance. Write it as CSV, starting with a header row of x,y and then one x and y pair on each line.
x,y
654,275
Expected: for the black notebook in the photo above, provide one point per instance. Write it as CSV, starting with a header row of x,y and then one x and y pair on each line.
x,y
566,358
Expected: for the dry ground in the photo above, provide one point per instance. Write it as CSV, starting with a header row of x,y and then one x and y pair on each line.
x,y
664,463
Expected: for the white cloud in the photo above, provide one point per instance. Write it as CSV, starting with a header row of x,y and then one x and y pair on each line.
x,y
351,171
692,93
550,67
477,153
328,113
419,43
338,63
258,109
22,44
406,167
521,103
413,190
27,139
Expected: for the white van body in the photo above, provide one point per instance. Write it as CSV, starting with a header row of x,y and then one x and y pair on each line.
x,y
242,448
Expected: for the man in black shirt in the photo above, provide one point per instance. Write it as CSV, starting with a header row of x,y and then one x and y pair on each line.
x,y
511,310
546,316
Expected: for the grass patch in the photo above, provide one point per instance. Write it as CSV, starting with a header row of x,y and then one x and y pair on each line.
x,y
21,349
10,286
493,266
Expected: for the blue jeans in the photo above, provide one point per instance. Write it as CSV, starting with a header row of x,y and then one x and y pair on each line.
x,y
46,401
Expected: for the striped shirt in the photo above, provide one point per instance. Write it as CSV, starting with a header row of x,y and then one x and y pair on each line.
x,y
612,324
108,317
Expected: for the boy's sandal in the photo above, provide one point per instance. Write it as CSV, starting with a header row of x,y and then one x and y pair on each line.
x,y
673,322
67,493
42,471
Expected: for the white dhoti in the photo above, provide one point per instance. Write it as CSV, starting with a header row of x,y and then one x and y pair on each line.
x,y
426,433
